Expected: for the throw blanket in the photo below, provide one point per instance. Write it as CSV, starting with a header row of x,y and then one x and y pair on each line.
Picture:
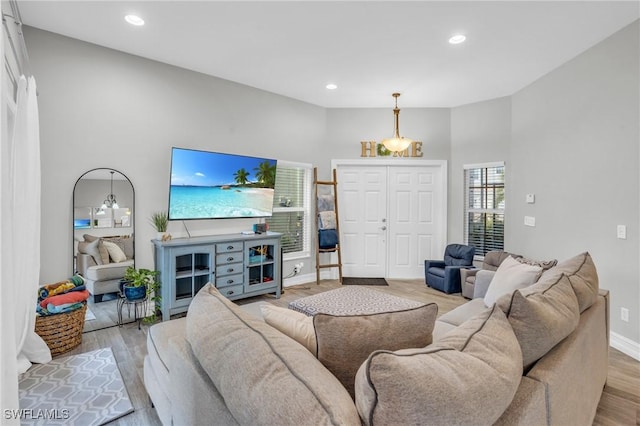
x,y
325,203
62,299
327,220
64,296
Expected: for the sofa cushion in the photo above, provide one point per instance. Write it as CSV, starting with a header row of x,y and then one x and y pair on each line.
x,y
468,377
125,243
345,342
510,276
115,253
544,264
294,324
541,315
110,271
263,375
104,254
92,249
463,312
583,276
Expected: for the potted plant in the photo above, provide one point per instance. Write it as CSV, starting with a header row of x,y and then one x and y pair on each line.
x,y
139,283
160,220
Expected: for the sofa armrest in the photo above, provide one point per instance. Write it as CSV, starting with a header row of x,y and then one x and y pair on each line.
x,y
83,262
467,272
483,279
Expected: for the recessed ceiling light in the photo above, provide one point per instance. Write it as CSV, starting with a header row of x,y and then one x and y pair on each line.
x,y
331,86
457,39
134,20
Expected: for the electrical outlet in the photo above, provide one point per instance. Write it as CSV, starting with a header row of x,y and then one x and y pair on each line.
x,y
624,314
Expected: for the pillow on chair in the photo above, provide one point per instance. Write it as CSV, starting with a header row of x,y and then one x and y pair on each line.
x,y
510,276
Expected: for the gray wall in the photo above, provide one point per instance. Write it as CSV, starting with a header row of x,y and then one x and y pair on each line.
x,y
575,145
480,133
571,138
102,108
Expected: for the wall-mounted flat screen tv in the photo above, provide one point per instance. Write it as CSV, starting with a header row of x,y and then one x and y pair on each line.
x,y
215,185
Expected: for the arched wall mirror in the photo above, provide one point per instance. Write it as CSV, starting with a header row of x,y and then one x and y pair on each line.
x,y
103,229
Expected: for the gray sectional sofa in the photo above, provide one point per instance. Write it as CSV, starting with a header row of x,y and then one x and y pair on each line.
x,y
538,355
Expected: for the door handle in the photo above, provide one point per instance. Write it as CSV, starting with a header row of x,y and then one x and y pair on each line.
x,y
384,228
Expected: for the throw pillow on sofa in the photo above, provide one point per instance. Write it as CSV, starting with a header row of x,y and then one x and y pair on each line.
x,y
345,342
541,315
510,276
93,249
263,376
294,324
115,253
583,276
104,254
469,376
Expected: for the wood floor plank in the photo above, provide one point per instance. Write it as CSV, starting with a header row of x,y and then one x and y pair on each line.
x,y
619,405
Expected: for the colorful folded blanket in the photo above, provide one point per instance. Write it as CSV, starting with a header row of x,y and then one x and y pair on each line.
x,y
68,307
61,299
72,284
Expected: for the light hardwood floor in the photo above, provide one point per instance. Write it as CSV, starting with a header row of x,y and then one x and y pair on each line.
x,y
619,405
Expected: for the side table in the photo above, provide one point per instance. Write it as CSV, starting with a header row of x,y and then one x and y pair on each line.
x,y
139,308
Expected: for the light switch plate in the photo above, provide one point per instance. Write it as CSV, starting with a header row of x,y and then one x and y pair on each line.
x,y
531,198
530,221
622,232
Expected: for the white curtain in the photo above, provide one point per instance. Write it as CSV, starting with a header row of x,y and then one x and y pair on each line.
x,y
24,181
20,261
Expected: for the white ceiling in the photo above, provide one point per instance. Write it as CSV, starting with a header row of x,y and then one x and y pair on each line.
x,y
370,49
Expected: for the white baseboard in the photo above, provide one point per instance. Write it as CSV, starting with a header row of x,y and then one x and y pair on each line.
x,y
306,279
625,345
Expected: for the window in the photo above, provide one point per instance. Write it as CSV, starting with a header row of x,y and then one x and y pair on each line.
x,y
292,208
484,207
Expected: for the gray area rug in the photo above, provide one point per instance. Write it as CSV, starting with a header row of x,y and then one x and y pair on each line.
x,y
84,389
363,281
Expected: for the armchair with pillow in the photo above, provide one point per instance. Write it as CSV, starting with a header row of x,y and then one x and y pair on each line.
x,y
491,262
444,275
102,262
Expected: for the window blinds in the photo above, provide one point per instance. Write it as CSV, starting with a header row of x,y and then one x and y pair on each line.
x,y
291,207
484,207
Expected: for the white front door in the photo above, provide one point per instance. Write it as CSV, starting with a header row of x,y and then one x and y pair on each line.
x,y
362,204
416,229
392,217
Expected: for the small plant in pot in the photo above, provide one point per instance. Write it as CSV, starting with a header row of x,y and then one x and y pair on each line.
x,y
139,283
160,220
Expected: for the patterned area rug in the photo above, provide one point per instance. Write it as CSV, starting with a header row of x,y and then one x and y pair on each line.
x,y
84,389
363,281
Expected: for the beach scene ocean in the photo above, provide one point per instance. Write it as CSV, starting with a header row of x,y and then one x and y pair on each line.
x,y
193,202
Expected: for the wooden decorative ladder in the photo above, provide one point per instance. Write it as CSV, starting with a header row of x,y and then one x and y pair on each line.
x,y
333,185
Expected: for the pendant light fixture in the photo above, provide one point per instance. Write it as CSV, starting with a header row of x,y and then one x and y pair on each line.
x,y
111,198
397,142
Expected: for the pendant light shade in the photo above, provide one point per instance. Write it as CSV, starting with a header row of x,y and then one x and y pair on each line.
x,y
397,142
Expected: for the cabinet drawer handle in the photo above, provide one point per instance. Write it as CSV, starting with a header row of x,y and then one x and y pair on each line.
x,y
230,292
230,270
229,281
230,247
229,259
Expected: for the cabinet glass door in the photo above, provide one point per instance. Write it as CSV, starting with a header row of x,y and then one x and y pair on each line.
x,y
260,258
192,271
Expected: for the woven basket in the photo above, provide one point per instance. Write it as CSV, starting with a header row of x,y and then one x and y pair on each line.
x,y
62,332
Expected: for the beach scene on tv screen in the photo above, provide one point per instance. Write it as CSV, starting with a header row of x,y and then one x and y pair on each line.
x,y
213,185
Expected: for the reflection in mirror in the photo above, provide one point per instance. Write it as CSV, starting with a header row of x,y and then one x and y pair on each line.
x,y
103,230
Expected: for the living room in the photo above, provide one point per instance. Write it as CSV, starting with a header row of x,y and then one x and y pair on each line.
x,y
565,136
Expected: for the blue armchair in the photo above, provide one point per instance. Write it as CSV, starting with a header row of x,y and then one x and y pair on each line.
x,y
444,275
